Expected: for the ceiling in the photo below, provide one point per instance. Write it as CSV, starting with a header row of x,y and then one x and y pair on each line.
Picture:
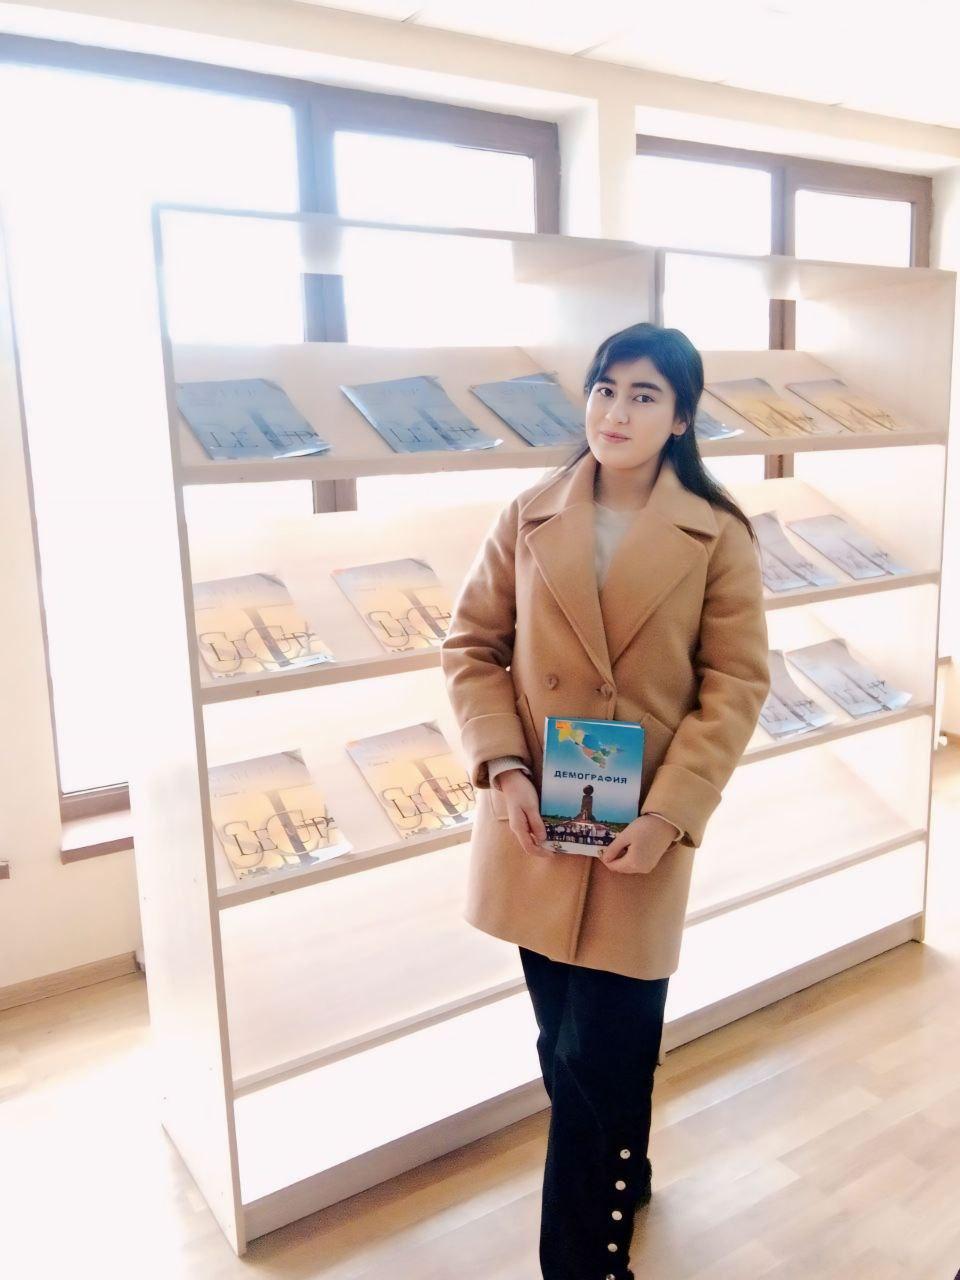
x,y
868,55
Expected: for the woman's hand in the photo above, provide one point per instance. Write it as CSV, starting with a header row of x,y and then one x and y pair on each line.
x,y
640,846
523,808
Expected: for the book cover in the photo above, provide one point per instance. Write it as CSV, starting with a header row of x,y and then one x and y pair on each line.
x,y
403,602
757,401
415,775
849,548
270,817
591,782
535,406
854,411
249,625
415,415
246,418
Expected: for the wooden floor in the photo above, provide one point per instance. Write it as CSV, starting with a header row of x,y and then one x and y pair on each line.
x,y
818,1138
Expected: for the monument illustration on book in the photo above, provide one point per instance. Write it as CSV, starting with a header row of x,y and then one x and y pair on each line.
x,y
591,782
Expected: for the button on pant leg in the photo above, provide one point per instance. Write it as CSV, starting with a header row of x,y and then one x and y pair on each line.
x,y
604,1063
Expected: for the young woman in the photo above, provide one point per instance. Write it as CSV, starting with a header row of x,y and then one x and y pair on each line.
x,y
625,586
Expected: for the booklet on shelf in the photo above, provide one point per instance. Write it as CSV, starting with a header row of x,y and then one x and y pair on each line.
x,y
415,415
246,418
787,709
707,427
591,782
249,625
403,602
535,406
782,566
858,690
850,549
764,407
270,817
854,411
417,778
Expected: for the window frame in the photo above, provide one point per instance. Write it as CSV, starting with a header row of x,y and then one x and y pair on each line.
x,y
319,111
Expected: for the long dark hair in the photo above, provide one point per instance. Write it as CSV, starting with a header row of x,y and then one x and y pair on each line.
x,y
676,359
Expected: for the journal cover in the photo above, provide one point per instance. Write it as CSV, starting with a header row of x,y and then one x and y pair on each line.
x,y
403,602
535,406
246,418
415,415
854,412
849,548
269,816
591,782
416,777
782,566
757,401
855,687
249,625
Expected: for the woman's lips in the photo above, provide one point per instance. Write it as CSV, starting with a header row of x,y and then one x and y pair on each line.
x,y
613,436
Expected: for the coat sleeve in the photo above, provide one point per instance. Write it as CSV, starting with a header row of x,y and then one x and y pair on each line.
x,y
733,669
477,650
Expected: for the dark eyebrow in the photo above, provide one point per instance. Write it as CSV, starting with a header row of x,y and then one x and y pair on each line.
x,y
654,386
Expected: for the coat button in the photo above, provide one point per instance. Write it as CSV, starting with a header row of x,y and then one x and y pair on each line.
x,y
606,690
625,1154
616,1215
612,1247
551,681
620,1184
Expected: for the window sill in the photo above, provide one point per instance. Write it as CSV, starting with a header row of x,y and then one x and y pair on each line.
x,y
94,837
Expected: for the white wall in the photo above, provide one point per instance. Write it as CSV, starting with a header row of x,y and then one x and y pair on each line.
x,y
54,917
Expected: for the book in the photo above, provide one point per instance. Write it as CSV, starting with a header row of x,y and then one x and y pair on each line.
x,y
707,427
403,602
757,401
782,566
787,710
852,410
246,418
415,415
270,817
249,625
418,780
535,407
850,549
858,690
591,782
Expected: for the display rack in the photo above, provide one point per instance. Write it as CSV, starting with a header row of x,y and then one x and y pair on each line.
x,y
324,1031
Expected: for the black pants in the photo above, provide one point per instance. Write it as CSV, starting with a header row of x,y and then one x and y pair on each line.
x,y
598,1046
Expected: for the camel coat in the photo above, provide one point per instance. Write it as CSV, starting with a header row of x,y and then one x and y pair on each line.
x,y
676,639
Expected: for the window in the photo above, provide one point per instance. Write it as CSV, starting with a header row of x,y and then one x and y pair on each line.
x,y
853,228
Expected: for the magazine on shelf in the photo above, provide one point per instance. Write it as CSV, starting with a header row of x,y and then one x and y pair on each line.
x,y
249,625
415,775
270,817
782,566
787,709
850,549
858,690
852,410
535,406
764,407
707,427
246,418
402,602
591,782
415,415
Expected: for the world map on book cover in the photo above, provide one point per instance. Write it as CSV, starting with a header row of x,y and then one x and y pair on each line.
x,y
591,782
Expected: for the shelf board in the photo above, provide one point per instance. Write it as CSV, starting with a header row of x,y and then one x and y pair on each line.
x,y
322,468
346,864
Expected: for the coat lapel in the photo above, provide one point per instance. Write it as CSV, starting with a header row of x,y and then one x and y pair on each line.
x,y
653,556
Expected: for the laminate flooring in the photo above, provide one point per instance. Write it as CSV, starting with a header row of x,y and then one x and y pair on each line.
x,y
817,1139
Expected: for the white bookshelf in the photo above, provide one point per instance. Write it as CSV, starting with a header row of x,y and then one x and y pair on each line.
x,y
323,1031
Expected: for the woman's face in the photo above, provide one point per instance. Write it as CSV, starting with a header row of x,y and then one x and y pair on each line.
x,y
631,413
